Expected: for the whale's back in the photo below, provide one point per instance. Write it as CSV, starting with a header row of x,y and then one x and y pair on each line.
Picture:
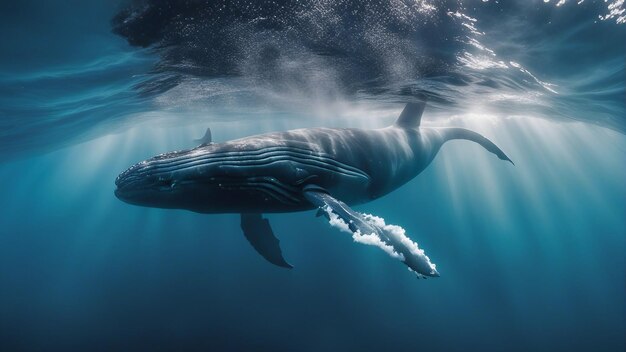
x,y
384,157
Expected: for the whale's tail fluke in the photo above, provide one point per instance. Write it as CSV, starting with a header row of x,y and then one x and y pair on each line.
x,y
462,133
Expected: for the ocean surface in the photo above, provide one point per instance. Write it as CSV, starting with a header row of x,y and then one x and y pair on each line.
x,y
531,256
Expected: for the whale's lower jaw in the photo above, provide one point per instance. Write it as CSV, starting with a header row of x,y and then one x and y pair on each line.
x,y
258,194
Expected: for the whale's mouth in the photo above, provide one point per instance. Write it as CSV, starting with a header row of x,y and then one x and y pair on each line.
x,y
127,185
134,184
129,191
120,194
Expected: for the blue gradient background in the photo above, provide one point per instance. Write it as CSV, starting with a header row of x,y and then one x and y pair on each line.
x,y
531,256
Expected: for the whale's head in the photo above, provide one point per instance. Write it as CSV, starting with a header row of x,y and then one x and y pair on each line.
x,y
211,179
160,181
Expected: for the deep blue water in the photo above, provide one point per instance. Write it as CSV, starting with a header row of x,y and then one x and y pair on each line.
x,y
531,256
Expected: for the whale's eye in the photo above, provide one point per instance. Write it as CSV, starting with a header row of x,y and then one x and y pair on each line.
x,y
164,184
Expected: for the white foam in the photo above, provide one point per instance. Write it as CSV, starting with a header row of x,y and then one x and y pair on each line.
x,y
398,234
395,233
371,239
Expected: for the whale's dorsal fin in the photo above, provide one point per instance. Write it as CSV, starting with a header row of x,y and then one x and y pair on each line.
x,y
260,235
411,116
207,138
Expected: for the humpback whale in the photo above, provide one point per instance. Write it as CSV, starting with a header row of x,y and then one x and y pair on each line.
x,y
318,168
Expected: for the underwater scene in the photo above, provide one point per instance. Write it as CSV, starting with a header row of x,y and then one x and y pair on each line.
x,y
313,175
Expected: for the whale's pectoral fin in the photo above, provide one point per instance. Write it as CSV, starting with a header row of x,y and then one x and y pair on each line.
x,y
371,230
259,233
207,138
327,205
